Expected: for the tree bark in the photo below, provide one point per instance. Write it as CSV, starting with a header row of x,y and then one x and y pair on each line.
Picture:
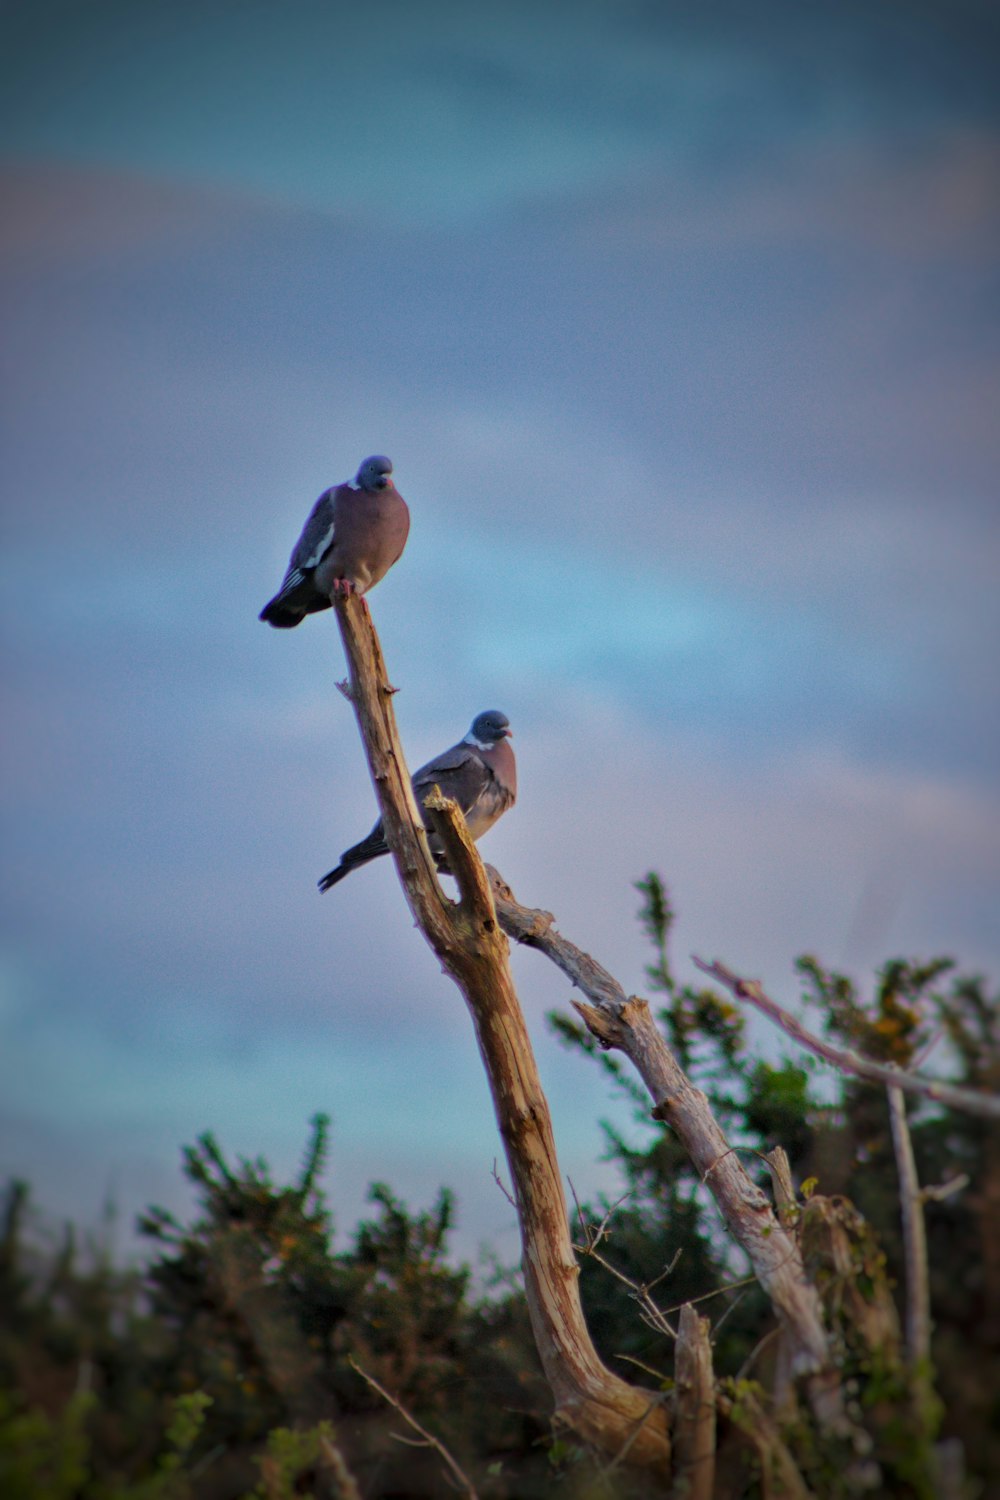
x,y
614,1417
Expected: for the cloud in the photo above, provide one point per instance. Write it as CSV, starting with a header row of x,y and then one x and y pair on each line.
x,y
702,484
487,110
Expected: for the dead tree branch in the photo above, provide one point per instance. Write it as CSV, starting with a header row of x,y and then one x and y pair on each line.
x,y
918,1308
970,1101
428,1440
602,1409
694,1413
627,1023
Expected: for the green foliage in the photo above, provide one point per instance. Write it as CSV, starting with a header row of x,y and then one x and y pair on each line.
x,y
838,1145
288,1456
216,1371
43,1457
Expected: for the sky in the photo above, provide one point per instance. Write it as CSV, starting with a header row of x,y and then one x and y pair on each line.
x,y
679,325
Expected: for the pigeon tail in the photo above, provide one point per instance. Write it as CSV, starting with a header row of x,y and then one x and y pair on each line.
x,y
279,615
373,847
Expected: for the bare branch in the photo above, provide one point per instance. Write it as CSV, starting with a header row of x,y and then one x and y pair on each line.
x,y
430,1441
918,1292
502,1185
945,1190
627,1023
603,1409
781,1180
694,1412
970,1101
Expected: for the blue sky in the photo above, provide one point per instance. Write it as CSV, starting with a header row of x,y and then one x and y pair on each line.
x,y
681,332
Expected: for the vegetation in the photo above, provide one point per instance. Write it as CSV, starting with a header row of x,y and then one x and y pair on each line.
x,y
244,1358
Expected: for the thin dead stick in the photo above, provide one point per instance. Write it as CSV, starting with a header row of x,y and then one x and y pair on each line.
x,y
945,1190
970,1101
918,1296
627,1023
451,1464
593,1235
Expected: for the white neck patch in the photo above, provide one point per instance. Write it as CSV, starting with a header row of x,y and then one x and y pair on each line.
x,y
470,739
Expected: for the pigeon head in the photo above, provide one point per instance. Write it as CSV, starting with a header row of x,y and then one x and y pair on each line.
x,y
489,727
374,472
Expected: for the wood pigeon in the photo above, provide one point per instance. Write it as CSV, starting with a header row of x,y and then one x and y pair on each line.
x,y
354,534
479,773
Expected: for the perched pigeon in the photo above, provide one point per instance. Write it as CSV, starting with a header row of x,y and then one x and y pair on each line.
x,y
354,534
478,773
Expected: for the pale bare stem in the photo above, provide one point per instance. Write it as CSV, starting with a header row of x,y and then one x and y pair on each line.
x,y
593,1234
655,1407
344,1483
630,1359
668,1270
928,1047
969,1101
455,1469
945,1189
604,1410
918,1297
502,1185
720,1291
730,1309
781,1180
694,1410
628,1024
756,1352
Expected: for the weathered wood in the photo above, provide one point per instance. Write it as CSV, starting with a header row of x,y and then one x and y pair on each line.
x,y
694,1411
627,1023
918,1297
606,1412
969,1101
781,1182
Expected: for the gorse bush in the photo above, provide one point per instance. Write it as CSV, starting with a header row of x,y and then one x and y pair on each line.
x,y
228,1366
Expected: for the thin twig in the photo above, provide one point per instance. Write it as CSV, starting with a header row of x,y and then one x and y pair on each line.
x,y
502,1186
730,1286
452,1465
593,1234
970,1101
918,1297
655,1405
758,1349
945,1190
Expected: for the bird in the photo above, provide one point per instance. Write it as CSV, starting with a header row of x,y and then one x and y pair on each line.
x,y
354,534
479,773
